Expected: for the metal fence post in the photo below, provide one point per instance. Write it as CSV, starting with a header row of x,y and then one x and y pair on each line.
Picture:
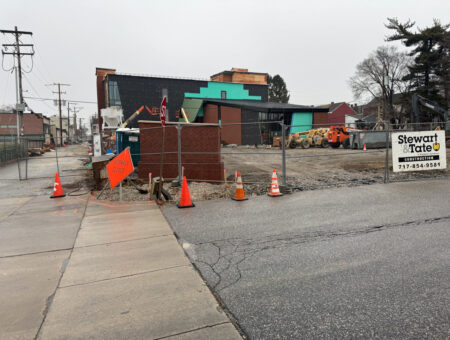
x,y
18,154
283,149
57,163
180,170
386,167
26,160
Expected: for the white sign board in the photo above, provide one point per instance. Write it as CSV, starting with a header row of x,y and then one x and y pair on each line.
x,y
419,150
97,145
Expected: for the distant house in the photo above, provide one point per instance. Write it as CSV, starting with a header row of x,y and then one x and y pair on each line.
x,y
372,107
33,126
47,130
337,112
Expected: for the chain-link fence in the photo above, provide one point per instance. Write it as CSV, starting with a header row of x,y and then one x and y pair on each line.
x,y
12,148
305,157
32,161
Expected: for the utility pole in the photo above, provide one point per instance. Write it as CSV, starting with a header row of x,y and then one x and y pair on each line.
x,y
75,110
75,130
59,106
18,69
383,103
81,130
68,121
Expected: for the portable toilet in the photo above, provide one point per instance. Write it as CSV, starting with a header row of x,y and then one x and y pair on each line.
x,y
126,137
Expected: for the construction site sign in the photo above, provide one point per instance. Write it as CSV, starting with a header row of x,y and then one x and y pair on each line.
x,y
418,150
119,168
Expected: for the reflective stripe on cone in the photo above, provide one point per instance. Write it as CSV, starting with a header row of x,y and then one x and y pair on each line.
x,y
274,188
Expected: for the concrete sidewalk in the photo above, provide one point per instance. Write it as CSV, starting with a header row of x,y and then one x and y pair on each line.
x,y
128,278
37,235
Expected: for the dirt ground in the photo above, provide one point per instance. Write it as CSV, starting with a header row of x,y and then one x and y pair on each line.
x,y
306,169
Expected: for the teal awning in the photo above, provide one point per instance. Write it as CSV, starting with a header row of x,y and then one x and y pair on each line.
x,y
193,108
304,121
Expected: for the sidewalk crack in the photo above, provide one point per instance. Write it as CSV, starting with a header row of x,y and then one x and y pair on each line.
x,y
193,330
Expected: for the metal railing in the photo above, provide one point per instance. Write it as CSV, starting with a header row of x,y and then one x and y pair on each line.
x,y
12,148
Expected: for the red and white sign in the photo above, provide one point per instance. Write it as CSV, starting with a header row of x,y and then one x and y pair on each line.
x,y
162,111
119,168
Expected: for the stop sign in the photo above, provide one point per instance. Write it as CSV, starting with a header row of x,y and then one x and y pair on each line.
x,y
162,111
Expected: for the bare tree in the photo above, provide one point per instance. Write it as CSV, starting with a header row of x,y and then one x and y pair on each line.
x,y
381,75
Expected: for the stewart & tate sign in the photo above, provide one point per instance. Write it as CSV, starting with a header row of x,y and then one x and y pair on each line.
x,y
420,150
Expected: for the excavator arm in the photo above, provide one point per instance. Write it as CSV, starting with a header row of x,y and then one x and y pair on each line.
x,y
132,117
419,100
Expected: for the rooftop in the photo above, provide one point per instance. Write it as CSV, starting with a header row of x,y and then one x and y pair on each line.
x,y
253,105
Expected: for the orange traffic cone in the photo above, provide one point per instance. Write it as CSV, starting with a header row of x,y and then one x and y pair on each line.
x,y
364,148
57,188
185,198
240,194
274,189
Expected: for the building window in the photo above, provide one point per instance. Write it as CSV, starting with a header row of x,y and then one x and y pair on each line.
x,y
113,94
262,116
223,94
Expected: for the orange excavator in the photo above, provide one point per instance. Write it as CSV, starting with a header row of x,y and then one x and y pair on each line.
x,y
340,135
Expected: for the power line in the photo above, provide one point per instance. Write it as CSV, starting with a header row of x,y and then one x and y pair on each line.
x,y
59,106
43,65
44,79
40,81
35,91
5,92
71,100
18,54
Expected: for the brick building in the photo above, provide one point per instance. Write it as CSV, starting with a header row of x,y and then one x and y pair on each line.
x,y
200,147
252,122
33,125
240,75
337,112
130,92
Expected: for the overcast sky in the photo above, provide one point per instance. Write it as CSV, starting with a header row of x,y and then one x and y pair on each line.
x,y
313,45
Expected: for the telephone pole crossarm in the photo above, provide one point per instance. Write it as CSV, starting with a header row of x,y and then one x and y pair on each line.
x,y
59,92
16,32
18,55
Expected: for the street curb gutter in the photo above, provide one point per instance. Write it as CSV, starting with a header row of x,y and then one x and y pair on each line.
x,y
222,305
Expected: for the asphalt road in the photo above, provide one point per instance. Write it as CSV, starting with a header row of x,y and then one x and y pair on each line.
x,y
362,262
